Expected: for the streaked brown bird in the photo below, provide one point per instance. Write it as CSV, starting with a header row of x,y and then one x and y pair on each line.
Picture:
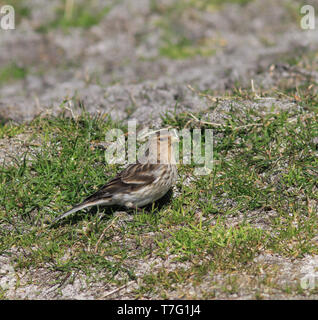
x,y
140,183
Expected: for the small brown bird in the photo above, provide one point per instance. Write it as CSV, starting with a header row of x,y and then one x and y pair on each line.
x,y
140,183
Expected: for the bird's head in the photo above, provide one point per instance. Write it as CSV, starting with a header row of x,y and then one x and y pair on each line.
x,y
162,146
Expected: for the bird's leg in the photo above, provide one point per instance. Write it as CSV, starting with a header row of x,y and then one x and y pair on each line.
x,y
130,205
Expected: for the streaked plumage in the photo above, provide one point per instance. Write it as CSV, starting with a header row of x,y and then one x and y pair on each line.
x,y
140,183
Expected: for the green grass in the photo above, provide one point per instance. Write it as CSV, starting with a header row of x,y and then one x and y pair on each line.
x,y
184,49
83,16
12,72
211,224
179,5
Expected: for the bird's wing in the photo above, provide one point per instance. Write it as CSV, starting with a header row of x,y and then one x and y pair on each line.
x,y
134,177
139,174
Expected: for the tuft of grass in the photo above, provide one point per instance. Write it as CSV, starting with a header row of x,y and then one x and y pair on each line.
x,y
8,129
82,16
12,72
184,49
179,5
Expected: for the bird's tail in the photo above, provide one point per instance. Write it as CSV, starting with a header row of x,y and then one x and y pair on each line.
x,y
78,207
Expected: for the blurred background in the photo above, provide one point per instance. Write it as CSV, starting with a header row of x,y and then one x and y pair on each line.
x,y
134,59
